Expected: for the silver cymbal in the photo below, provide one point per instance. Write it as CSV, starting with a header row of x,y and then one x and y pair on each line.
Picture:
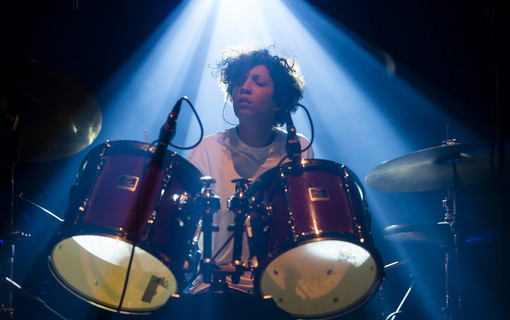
x,y
436,234
56,115
432,168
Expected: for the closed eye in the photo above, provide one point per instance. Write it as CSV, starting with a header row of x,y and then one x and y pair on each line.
x,y
260,80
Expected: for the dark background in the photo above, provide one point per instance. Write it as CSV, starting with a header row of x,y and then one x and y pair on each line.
x,y
454,50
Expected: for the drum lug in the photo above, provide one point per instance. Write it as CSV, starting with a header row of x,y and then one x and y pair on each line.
x,y
81,211
185,207
348,191
149,227
292,223
102,158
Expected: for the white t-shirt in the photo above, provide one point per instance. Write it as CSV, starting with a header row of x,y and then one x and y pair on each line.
x,y
225,157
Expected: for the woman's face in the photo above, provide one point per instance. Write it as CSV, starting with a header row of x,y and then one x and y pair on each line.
x,y
253,98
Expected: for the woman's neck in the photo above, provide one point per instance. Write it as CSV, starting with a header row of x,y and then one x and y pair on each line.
x,y
256,136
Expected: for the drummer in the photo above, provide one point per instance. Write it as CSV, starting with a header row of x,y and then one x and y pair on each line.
x,y
263,88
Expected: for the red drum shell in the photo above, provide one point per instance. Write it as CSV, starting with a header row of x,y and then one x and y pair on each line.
x,y
107,215
314,240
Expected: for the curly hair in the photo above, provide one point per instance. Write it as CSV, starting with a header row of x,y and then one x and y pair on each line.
x,y
235,64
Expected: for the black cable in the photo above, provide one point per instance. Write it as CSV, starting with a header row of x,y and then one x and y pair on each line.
x,y
199,123
312,137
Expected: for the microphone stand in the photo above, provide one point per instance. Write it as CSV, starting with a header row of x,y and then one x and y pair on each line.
x,y
293,147
166,133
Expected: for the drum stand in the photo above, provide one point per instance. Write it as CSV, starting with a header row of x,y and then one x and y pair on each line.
x,y
11,234
210,203
392,315
453,302
452,309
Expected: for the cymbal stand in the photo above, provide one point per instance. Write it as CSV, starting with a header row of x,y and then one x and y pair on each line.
x,y
14,286
453,302
14,156
392,315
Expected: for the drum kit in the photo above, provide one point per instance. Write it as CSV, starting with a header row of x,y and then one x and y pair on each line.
x,y
129,240
449,167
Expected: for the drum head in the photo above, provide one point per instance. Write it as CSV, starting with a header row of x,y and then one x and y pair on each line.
x,y
321,278
94,268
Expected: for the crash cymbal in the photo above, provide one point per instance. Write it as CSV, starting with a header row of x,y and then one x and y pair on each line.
x,y
436,234
55,115
432,169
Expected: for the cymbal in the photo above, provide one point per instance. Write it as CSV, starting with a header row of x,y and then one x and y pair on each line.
x,y
55,114
432,168
436,234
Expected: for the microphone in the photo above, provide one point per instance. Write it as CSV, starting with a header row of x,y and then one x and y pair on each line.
x,y
166,133
293,146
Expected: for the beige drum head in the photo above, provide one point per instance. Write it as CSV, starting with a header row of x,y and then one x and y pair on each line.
x,y
320,279
94,268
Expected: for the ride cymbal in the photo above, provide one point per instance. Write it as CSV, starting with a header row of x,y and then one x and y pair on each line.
x,y
433,168
51,113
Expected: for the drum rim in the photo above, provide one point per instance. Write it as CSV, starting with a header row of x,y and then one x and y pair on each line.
x,y
272,174
141,148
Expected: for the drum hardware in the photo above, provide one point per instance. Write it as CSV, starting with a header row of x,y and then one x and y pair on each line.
x,y
453,276
395,264
392,315
46,115
209,204
347,189
448,166
294,170
12,236
50,116
293,147
13,286
167,132
20,196
238,204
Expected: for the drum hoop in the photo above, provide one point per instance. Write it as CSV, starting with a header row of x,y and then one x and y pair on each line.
x,y
142,149
272,174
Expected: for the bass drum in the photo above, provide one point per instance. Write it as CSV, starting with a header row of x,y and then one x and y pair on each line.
x,y
127,218
316,254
